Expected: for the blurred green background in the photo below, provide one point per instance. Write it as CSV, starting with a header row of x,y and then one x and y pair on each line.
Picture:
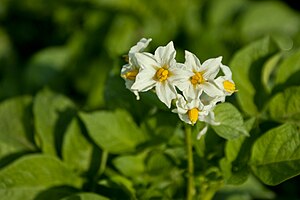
x,y
75,47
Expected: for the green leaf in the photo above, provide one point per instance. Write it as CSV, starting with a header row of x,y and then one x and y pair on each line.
x,y
30,175
276,154
130,165
288,71
115,132
16,134
285,106
86,196
268,71
52,114
268,18
252,188
76,150
246,68
231,122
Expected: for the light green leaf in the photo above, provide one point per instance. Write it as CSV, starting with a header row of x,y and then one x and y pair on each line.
x,y
131,165
231,122
76,149
268,18
285,106
246,68
29,175
268,70
252,188
52,114
276,154
15,132
115,132
86,196
289,70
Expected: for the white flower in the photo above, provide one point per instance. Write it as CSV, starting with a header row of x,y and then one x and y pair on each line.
x,y
192,110
225,83
130,70
199,78
159,71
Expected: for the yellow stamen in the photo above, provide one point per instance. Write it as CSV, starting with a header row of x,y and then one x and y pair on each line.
x,y
229,86
162,74
193,115
197,78
131,74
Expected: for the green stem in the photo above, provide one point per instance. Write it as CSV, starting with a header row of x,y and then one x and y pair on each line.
x,y
103,162
189,149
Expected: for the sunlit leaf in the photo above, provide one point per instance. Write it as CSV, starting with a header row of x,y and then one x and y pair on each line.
x,y
76,149
115,132
52,114
30,175
276,154
285,106
246,68
86,196
231,122
15,131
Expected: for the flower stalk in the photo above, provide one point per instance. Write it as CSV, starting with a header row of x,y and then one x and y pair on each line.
x,y
190,174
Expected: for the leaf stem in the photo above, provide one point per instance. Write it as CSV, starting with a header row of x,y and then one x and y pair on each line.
x,y
189,149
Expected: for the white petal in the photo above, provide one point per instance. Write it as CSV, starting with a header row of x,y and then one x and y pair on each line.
x,y
211,68
165,54
202,132
192,92
192,62
146,61
165,92
227,72
140,46
144,81
211,90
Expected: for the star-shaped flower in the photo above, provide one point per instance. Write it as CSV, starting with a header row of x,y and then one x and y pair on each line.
x,y
225,83
199,77
158,71
130,70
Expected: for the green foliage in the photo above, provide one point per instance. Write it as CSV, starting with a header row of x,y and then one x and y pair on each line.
x,y
70,130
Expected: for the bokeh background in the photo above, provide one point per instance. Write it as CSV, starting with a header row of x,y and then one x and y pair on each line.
x,y
75,47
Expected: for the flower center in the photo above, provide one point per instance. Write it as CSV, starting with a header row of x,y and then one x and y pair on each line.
x,y
162,74
229,86
193,115
131,74
197,78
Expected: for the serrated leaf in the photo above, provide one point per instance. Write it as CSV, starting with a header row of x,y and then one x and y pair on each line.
x,y
29,175
85,196
76,150
16,135
115,132
276,154
231,122
246,68
52,114
285,106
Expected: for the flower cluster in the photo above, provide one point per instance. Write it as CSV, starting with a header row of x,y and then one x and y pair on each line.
x,y
194,87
